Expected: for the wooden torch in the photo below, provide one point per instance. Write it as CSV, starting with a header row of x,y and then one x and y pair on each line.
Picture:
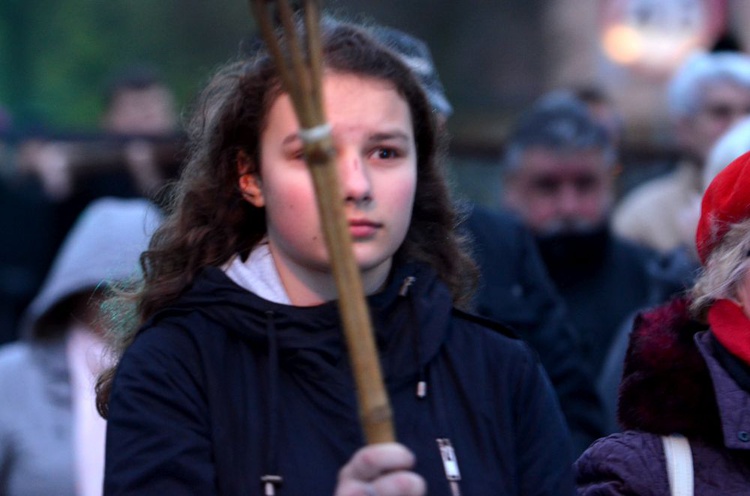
x,y
300,67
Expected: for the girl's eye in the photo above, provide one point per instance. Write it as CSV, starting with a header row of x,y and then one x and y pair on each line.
x,y
296,154
386,153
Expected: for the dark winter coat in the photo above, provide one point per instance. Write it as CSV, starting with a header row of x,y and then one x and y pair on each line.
x,y
675,381
603,279
224,387
516,290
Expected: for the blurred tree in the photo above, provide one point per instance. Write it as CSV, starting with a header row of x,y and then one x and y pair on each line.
x,y
57,55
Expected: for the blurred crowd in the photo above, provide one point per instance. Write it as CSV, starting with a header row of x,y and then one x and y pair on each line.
x,y
49,178
601,287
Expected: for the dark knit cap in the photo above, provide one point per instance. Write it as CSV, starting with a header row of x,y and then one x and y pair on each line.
x,y
415,53
559,120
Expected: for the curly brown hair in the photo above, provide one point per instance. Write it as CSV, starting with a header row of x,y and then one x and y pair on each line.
x,y
208,220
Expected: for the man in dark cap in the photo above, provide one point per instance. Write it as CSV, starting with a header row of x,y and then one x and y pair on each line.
x,y
558,178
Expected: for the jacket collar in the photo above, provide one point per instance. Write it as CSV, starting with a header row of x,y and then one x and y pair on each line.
x,y
674,383
666,387
731,399
307,332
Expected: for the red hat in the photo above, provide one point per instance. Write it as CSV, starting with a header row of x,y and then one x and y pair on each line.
x,y
725,202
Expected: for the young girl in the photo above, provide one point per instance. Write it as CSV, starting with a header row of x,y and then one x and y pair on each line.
x,y
235,379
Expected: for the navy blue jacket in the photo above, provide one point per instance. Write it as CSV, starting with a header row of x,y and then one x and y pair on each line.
x,y
516,291
224,387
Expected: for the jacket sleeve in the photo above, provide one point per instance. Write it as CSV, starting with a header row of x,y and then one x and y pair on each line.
x,y
629,463
543,443
158,438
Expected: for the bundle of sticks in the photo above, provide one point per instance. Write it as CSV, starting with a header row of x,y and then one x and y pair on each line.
x,y
300,67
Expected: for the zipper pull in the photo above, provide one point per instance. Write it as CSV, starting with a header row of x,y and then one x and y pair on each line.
x,y
406,285
270,482
450,464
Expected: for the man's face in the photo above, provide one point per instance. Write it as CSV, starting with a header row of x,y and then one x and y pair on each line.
x,y
142,111
723,103
560,192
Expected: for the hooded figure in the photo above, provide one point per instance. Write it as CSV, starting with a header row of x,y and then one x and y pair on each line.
x,y
687,369
51,437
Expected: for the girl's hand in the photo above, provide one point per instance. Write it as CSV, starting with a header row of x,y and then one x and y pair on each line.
x,y
380,470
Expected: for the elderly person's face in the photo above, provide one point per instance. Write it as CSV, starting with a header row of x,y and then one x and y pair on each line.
x,y
723,103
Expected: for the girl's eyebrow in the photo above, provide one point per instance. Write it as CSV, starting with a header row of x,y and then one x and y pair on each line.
x,y
290,139
375,137
394,135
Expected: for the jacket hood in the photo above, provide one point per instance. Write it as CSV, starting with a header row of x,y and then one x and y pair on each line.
x,y
666,385
104,245
412,293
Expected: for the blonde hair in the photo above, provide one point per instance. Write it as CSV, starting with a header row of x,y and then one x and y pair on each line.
x,y
723,269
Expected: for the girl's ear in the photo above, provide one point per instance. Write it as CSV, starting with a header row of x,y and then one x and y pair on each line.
x,y
249,181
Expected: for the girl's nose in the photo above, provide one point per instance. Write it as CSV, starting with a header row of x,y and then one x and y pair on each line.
x,y
355,181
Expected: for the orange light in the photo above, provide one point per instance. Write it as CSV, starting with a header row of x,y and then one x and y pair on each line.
x,y
622,44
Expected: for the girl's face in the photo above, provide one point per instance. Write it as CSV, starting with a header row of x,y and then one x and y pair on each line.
x,y
377,161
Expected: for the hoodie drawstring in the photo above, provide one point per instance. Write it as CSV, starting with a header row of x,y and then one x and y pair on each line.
x,y
414,325
271,480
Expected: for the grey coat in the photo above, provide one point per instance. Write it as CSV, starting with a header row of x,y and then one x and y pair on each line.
x,y
37,455
35,419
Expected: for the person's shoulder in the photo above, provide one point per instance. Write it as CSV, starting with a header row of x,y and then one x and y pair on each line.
x,y
173,335
161,356
491,336
622,444
20,358
482,219
182,322
477,212
655,187
646,196
14,356
485,326
16,362
26,369
627,249
646,215
670,272
499,239
630,462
